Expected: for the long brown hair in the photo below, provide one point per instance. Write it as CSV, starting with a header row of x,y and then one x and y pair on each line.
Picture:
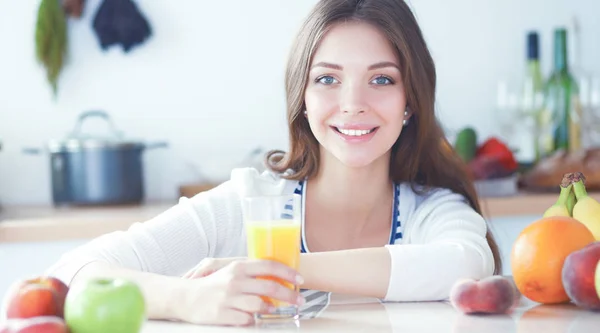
x,y
421,155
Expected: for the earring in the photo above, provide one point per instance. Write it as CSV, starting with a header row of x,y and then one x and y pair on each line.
x,y
405,121
305,113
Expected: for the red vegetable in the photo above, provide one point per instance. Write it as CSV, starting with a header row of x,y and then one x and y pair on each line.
x,y
493,147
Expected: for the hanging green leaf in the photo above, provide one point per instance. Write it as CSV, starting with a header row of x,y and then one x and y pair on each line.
x,y
51,40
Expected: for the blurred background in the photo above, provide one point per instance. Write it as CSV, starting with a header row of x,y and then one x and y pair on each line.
x,y
194,88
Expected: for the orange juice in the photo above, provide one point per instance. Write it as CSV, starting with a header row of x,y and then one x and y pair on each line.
x,y
275,240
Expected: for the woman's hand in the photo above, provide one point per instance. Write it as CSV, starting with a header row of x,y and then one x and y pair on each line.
x,y
231,295
208,266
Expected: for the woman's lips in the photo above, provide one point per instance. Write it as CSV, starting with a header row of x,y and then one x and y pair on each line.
x,y
355,134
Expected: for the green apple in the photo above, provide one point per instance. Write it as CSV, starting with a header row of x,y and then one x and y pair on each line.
x,y
105,305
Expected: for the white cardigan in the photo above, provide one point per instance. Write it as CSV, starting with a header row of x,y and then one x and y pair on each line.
x,y
443,238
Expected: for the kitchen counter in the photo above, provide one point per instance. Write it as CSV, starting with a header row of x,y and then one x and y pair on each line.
x,y
350,314
35,223
47,223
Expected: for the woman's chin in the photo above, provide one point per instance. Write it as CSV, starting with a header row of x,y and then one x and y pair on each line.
x,y
357,162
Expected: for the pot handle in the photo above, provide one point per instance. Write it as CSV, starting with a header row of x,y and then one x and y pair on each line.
x,y
155,145
98,114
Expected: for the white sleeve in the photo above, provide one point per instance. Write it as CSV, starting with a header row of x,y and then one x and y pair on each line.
x,y
444,241
207,225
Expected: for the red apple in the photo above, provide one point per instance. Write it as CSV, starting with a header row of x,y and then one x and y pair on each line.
x,y
46,324
494,294
578,276
40,296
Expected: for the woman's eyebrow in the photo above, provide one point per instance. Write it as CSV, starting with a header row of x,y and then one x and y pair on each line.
x,y
382,64
327,65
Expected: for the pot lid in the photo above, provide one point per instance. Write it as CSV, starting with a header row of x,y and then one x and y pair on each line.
x,y
77,140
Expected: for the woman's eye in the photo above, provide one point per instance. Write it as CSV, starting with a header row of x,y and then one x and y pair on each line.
x,y
382,80
326,80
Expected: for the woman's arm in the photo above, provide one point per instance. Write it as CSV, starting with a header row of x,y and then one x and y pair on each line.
x,y
334,271
364,272
208,225
395,272
160,292
155,254
230,296
444,241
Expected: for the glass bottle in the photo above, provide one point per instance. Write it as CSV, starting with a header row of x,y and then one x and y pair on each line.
x,y
562,100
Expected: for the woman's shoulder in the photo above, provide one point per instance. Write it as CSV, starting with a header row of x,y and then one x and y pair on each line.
x,y
423,208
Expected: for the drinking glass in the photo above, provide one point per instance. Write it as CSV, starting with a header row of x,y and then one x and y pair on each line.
x,y
273,233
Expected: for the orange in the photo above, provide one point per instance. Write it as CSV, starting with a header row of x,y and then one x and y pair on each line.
x,y
538,255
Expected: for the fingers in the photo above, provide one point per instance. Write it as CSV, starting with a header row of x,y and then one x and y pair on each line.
x,y
271,289
249,303
199,270
206,267
191,273
240,318
234,317
257,268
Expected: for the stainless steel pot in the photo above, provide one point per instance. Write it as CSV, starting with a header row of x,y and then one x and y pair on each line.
x,y
93,170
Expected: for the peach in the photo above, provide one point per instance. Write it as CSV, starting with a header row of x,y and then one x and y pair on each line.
x,y
40,296
494,294
578,273
45,324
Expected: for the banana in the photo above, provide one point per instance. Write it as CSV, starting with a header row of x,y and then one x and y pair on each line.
x,y
572,199
561,208
587,209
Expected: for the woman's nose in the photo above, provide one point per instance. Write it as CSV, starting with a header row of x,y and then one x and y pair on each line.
x,y
353,99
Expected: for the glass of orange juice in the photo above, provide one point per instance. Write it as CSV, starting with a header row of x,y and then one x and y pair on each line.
x,y
273,233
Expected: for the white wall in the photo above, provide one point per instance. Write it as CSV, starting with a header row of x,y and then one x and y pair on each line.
x,y
210,80
28,260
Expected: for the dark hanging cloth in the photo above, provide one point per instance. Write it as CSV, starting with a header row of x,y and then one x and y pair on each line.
x,y
119,22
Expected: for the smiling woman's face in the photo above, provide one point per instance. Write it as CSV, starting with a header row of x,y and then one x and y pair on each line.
x,y
355,98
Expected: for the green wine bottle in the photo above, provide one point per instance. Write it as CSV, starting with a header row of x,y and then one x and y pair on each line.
x,y
562,98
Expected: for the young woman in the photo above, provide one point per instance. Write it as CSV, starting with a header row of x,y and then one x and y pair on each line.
x,y
389,209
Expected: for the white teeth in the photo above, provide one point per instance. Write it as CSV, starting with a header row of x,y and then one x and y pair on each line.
x,y
354,132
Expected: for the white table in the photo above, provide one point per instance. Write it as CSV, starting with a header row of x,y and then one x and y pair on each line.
x,y
349,314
